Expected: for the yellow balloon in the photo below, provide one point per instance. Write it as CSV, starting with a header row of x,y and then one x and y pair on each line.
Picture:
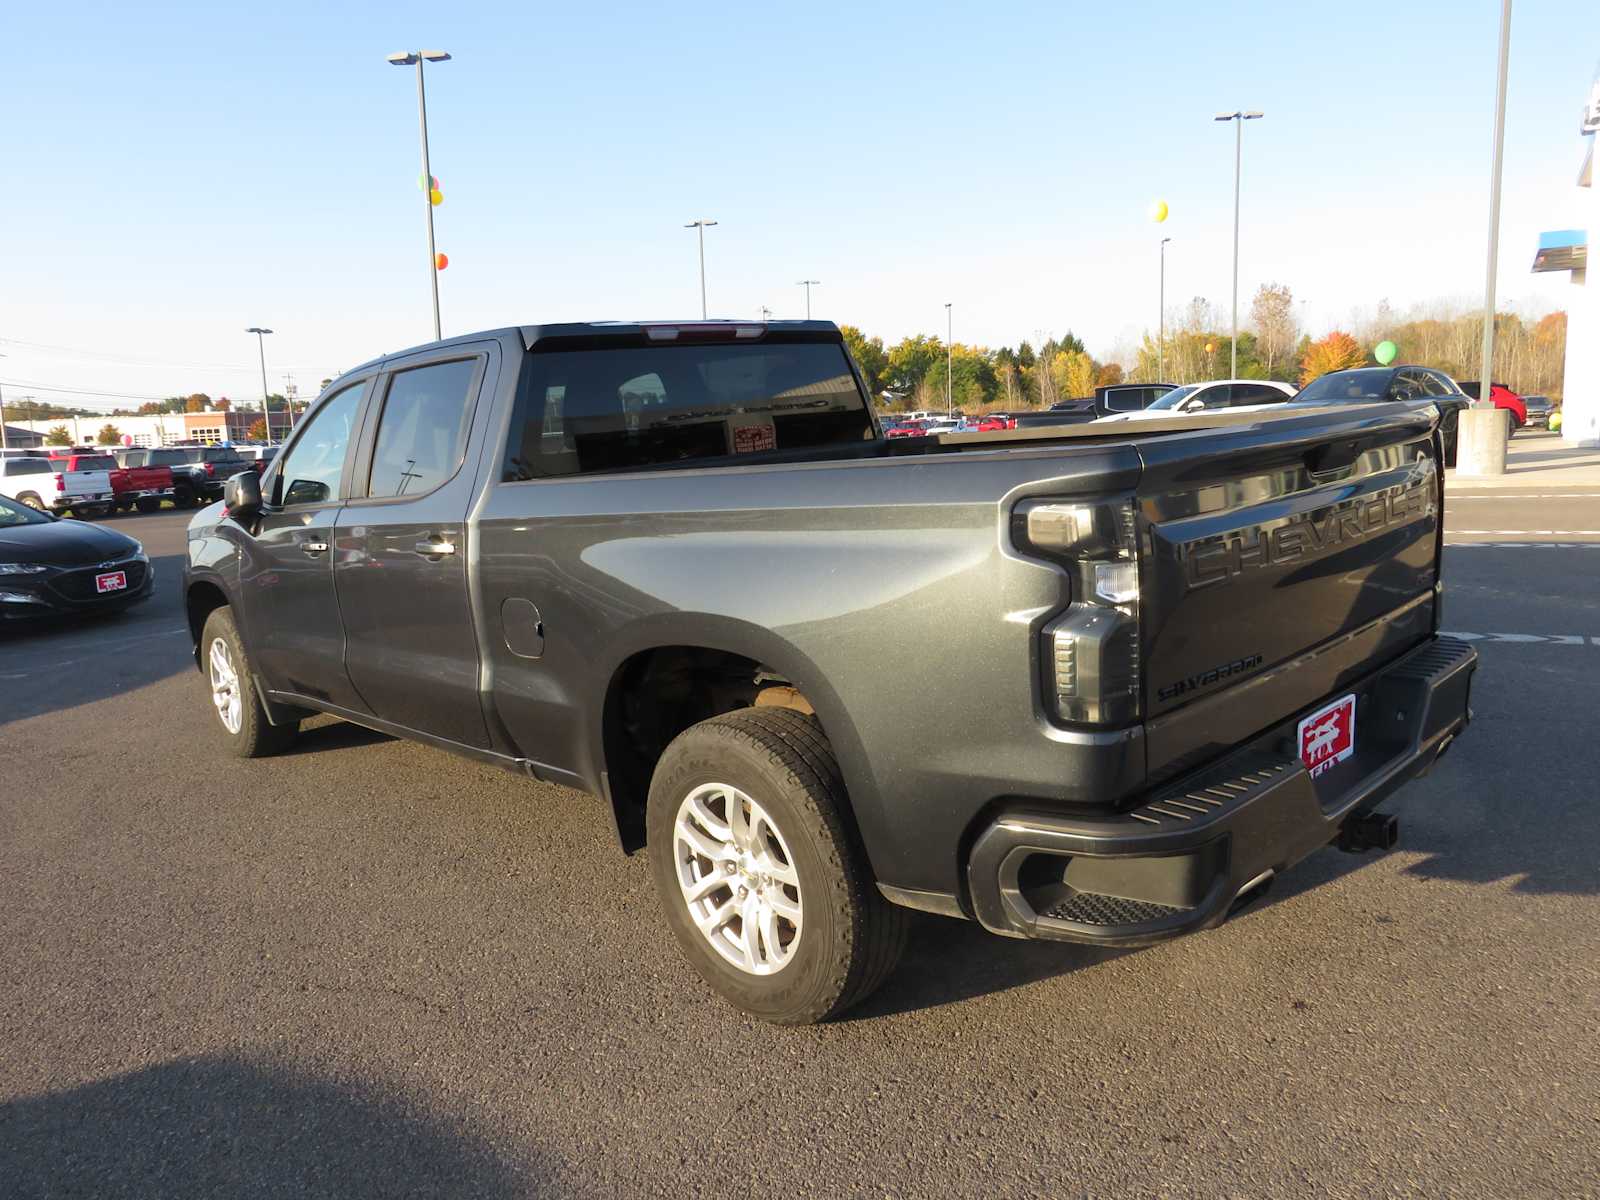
x,y
1158,211
436,196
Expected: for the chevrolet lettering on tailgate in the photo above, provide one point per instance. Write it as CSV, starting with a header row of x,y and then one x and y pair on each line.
x,y
1214,559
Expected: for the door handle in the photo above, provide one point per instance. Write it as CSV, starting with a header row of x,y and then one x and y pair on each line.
x,y
435,549
313,547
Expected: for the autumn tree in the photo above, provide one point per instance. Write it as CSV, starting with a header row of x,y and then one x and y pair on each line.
x,y
1272,314
199,402
150,409
109,435
222,404
58,436
911,359
1336,352
257,431
1109,375
869,355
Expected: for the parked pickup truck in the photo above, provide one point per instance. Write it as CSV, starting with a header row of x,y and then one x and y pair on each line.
x,y
189,482
57,485
677,566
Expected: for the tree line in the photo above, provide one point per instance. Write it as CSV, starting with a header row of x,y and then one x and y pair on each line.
x,y
911,375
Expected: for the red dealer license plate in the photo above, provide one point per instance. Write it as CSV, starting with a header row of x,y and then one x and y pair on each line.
x,y
1328,736
111,581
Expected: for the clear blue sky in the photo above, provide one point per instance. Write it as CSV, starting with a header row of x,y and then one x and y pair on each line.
x,y
175,173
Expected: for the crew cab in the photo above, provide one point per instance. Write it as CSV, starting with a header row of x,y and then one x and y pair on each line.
x,y
57,485
191,483
677,566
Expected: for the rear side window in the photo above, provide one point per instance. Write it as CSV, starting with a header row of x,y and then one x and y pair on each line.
x,y
168,458
422,432
29,466
632,408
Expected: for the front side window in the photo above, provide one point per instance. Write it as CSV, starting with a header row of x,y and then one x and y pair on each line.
x,y
636,407
422,433
310,471
1173,398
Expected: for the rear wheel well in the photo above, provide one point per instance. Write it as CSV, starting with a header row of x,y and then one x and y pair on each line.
x,y
202,600
657,694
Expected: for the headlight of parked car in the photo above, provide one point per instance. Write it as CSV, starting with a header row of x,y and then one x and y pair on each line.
x,y
23,568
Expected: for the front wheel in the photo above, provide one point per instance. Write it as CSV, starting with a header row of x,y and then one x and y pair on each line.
x,y
760,872
234,697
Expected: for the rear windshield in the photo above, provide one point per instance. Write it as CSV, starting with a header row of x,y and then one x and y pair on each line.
x,y
167,458
630,408
1342,386
89,462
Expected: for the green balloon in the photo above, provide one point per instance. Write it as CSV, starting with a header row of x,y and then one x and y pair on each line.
x,y
1385,352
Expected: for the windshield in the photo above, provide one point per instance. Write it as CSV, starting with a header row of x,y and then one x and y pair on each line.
x,y
1343,386
13,514
1175,397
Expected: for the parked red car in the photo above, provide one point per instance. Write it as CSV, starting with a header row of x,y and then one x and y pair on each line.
x,y
990,422
907,429
1505,398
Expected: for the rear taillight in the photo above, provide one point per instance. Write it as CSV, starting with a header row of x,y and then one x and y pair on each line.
x,y
1090,651
61,483
211,470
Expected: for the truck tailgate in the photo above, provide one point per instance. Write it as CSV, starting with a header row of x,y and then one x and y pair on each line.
x,y
1285,560
86,483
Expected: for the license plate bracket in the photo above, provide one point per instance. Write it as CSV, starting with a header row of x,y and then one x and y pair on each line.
x,y
1327,737
111,581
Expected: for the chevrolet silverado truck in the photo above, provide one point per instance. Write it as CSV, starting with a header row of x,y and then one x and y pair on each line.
x,y
677,566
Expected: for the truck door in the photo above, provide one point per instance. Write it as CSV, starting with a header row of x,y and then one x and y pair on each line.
x,y
411,642
286,593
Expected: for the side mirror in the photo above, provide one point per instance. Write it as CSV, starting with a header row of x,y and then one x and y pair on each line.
x,y
1195,405
242,494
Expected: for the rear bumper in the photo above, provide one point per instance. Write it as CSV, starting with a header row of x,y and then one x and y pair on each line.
x,y
1184,858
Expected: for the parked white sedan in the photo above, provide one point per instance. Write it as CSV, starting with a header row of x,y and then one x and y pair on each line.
x,y
1233,395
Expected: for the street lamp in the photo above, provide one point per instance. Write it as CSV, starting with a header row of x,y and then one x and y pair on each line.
x,y
1238,154
1487,372
949,366
766,313
806,283
417,58
700,226
261,348
1161,336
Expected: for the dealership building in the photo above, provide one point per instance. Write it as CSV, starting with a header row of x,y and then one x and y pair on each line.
x,y
159,429
1568,250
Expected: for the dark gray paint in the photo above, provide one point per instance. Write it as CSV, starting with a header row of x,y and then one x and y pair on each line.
x,y
884,586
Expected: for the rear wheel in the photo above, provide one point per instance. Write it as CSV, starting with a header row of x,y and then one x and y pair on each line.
x,y
760,872
234,697
147,504
183,497
32,501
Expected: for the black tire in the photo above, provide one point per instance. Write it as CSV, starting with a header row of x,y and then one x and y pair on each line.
x,y
255,737
32,501
850,937
147,504
183,497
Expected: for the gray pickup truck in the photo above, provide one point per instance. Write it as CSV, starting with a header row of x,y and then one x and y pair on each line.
x,y
1094,683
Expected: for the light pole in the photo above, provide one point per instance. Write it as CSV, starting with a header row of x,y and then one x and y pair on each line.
x,y
806,283
1238,155
949,366
1161,325
766,313
261,348
417,58
700,228
4,445
1487,373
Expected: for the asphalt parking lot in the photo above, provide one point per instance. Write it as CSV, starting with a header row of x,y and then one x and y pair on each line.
x,y
369,969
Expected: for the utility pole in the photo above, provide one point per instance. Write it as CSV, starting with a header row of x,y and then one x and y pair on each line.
x,y
1161,337
266,405
290,391
700,226
1486,375
949,366
806,283
1239,118
766,313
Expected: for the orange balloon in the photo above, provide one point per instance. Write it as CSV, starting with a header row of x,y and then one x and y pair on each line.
x,y
441,260
436,196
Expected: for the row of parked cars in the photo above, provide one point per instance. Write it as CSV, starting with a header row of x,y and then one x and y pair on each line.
x,y
94,482
1151,401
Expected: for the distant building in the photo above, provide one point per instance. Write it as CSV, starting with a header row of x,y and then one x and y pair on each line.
x,y
18,438
161,429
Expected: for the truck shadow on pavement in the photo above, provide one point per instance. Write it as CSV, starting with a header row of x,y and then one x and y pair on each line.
x,y
220,1127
